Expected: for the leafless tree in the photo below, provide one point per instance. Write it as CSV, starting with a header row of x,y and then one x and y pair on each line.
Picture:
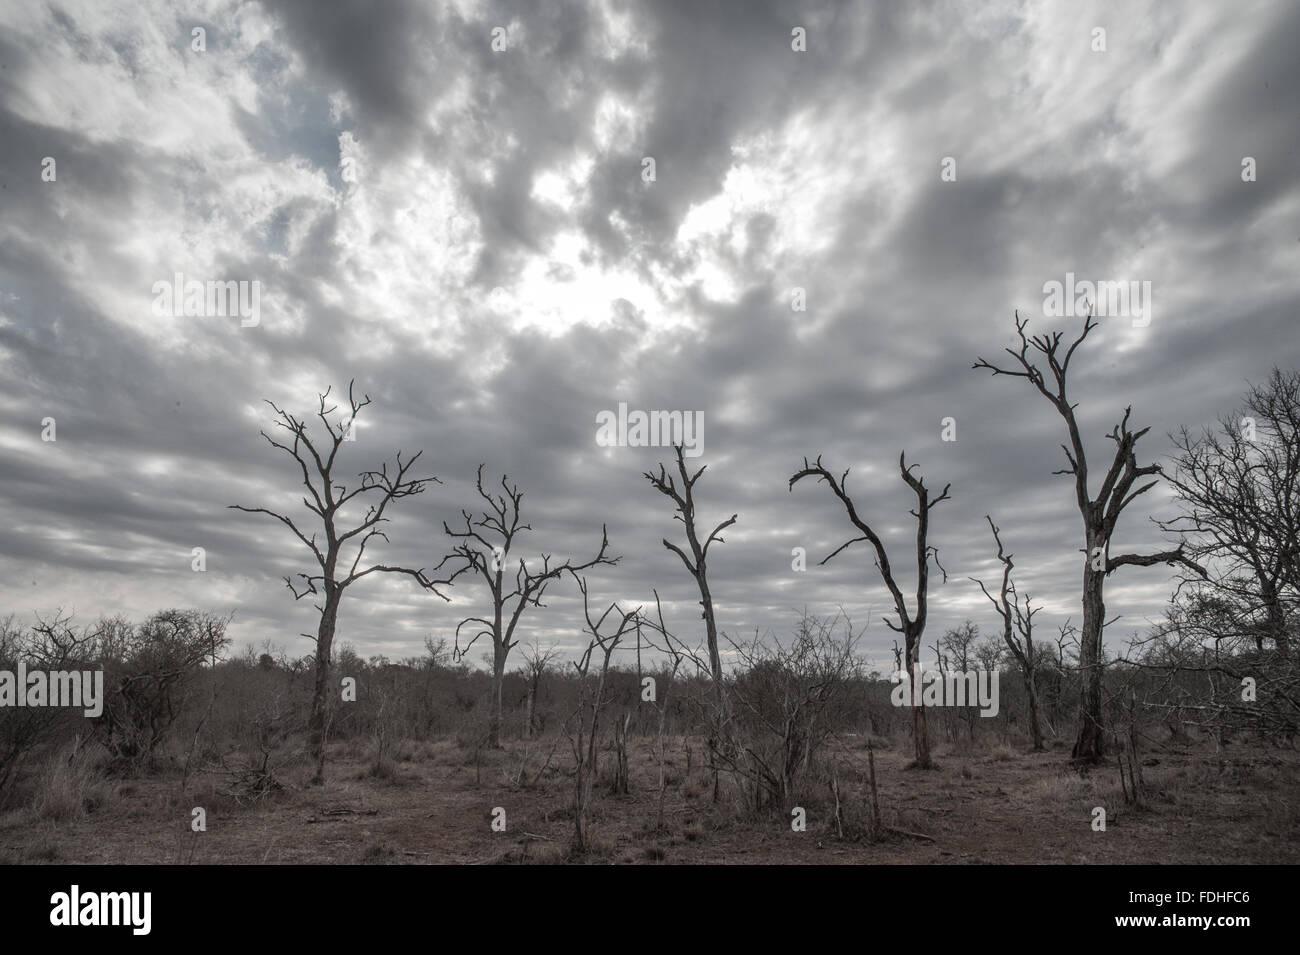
x,y
537,663
678,654
1017,630
483,549
789,698
327,502
960,643
989,652
910,625
436,653
583,738
683,496
52,644
148,672
1100,514
1239,489
1240,502
1204,671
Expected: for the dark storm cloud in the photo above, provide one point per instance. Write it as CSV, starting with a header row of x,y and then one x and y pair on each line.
x,y
915,277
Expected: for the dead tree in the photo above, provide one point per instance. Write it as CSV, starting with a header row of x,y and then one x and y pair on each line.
x,y
537,663
696,564
910,625
326,501
483,549
1017,630
960,643
678,654
592,700
1100,514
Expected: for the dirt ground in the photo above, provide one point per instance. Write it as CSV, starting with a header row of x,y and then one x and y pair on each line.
x,y
435,804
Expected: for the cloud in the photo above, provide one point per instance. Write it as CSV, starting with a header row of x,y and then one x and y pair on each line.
x,y
467,233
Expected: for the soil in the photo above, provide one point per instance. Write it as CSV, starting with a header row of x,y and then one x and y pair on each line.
x,y
435,803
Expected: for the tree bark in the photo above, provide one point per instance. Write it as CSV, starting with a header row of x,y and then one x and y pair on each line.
x,y
920,729
499,652
321,698
1090,746
1032,689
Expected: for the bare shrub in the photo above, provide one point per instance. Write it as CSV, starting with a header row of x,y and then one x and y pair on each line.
x,y
69,786
52,644
148,671
787,701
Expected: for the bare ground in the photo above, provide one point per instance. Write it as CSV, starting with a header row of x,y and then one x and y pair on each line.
x,y
434,805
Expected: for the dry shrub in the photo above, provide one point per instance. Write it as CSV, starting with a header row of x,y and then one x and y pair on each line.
x,y
69,786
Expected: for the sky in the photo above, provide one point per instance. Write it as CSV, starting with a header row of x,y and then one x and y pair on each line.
x,y
451,204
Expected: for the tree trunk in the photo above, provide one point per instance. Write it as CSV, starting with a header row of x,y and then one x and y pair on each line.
x,y
1090,747
920,733
587,768
1032,689
321,694
1276,618
621,774
498,688
716,739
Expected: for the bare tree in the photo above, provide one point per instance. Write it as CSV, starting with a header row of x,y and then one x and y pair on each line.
x,y
960,643
674,651
696,564
53,644
327,502
537,663
1239,489
1100,514
149,671
483,549
1017,630
789,699
1240,502
587,729
910,625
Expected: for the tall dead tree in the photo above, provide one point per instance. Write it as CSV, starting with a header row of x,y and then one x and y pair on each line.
x,y
327,502
1100,514
1017,630
683,497
483,549
910,625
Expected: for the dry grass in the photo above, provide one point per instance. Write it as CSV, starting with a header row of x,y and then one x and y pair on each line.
x,y
432,803
70,786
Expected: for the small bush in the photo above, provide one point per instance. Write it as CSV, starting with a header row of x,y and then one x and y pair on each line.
x,y
69,786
